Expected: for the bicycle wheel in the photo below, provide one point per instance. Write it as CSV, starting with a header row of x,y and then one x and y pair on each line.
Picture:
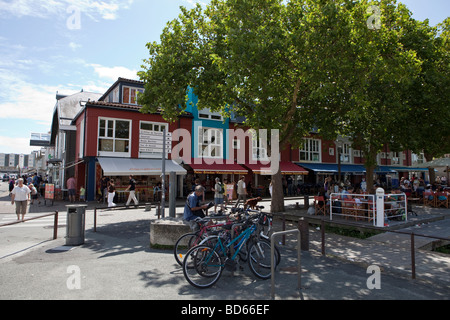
x,y
183,244
259,259
202,266
276,253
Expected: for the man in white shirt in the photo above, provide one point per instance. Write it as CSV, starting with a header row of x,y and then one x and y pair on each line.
x,y
241,191
20,195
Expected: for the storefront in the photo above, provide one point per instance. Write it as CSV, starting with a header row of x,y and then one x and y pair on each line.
x,y
262,175
206,173
146,172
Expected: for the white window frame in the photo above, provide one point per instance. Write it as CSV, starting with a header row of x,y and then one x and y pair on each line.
x,y
311,150
259,149
113,153
130,94
208,115
213,141
346,154
161,127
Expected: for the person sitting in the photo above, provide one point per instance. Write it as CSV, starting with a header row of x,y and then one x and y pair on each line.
x,y
193,209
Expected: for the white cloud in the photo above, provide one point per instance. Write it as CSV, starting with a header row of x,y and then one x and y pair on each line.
x,y
114,73
194,2
16,145
106,9
31,101
74,46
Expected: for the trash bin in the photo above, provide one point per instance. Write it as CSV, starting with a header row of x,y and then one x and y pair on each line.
x,y
75,224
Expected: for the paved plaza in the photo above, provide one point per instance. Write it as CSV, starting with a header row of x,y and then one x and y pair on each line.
x,y
116,262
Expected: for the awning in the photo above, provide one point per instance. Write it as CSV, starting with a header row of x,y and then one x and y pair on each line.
x,y
355,169
138,167
409,169
217,167
333,168
286,167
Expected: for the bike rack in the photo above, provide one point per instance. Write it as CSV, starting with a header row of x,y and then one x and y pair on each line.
x,y
272,260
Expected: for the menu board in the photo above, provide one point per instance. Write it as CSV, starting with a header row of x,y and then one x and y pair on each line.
x,y
231,192
49,191
152,142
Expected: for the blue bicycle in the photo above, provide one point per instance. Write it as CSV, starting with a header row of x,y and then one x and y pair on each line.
x,y
203,265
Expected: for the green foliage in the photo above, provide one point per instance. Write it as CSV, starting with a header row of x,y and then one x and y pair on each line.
x,y
294,65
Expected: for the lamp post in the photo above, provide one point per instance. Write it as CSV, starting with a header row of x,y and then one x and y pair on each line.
x,y
339,151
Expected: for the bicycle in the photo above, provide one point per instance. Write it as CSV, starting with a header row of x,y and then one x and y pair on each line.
x,y
189,240
203,264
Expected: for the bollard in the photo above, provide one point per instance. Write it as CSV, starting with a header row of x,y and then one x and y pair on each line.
x,y
322,230
306,206
303,227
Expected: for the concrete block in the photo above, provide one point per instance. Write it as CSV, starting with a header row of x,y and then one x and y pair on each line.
x,y
165,232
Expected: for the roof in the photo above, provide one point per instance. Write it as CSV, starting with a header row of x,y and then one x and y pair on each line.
x,y
115,105
66,109
141,83
69,106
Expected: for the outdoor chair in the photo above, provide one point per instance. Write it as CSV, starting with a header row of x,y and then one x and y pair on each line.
x,y
429,198
349,208
441,200
320,209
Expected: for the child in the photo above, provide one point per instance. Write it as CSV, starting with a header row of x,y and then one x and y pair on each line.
x,y
82,194
34,193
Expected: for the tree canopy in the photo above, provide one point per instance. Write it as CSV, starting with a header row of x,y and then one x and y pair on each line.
x,y
345,67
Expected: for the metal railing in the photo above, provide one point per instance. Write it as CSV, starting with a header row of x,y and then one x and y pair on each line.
x,y
412,234
272,259
55,223
364,206
147,206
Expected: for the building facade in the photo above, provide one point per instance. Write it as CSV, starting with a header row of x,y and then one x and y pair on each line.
x,y
114,139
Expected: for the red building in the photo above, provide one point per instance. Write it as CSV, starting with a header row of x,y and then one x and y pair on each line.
x,y
115,139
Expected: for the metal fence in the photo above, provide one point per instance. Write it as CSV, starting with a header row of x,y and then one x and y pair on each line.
x,y
55,222
364,206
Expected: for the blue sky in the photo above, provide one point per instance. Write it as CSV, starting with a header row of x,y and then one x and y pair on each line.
x,y
68,45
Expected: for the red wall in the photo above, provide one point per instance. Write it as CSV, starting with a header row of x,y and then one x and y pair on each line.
x,y
91,134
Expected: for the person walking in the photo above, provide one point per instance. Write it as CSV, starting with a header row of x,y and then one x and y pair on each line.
x,y
241,191
72,187
218,195
111,194
132,189
20,196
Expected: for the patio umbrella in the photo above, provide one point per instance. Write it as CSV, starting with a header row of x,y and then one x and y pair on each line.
x,y
438,163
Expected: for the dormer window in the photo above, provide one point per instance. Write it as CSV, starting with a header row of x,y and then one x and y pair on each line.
x,y
207,114
130,94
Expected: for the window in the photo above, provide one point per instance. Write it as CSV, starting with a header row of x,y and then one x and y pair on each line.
x,y
130,94
395,158
114,137
151,138
310,150
210,143
116,95
259,149
345,153
418,158
207,114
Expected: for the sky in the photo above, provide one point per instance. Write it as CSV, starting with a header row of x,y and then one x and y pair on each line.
x,y
65,46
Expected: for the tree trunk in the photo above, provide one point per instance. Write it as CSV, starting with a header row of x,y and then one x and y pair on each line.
x,y
370,165
369,179
277,204
431,173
